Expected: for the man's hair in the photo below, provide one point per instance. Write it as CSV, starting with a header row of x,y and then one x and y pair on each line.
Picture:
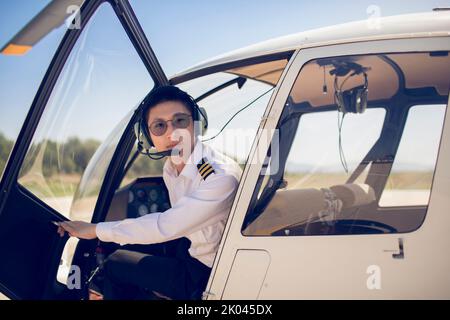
x,y
169,93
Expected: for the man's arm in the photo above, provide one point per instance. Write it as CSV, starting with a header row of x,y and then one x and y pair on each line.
x,y
204,207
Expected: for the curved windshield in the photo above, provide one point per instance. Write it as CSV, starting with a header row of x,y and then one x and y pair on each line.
x,y
88,190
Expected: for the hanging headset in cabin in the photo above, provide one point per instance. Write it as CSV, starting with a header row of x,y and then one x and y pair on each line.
x,y
352,100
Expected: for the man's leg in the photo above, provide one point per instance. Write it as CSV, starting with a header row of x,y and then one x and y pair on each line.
x,y
129,274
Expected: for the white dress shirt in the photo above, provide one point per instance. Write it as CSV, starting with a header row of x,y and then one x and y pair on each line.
x,y
201,201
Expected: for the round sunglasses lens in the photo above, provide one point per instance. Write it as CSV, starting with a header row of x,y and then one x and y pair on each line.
x,y
158,128
181,121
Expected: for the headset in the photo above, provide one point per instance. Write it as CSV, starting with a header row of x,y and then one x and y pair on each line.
x,y
352,100
141,131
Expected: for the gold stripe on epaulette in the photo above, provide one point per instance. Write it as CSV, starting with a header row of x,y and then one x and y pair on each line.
x,y
203,166
207,172
206,175
206,168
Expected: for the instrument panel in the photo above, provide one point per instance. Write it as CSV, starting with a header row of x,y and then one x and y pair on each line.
x,y
147,195
141,197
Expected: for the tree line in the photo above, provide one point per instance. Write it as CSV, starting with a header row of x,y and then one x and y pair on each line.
x,y
5,148
69,157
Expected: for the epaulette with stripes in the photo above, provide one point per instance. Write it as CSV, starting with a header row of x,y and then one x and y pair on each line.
x,y
205,168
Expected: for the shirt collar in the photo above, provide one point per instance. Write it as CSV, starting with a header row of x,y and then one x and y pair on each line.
x,y
190,169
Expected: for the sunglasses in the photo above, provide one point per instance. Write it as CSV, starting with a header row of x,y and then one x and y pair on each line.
x,y
179,121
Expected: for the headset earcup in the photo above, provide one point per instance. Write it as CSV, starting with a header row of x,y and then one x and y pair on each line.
x,y
204,116
350,100
147,140
136,130
360,100
142,135
363,104
353,100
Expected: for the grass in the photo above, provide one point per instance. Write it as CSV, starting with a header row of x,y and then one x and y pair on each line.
x,y
396,181
65,185
62,185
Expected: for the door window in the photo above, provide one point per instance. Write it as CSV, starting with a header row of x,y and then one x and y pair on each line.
x,y
345,167
20,78
411,176
102,80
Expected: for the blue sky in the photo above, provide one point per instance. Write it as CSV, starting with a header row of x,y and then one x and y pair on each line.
x,y
182,33
185,32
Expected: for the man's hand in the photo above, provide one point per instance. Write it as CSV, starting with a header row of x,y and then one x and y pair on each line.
x,y
78,229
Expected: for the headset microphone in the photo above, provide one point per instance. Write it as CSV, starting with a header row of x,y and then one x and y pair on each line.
x,y
158,154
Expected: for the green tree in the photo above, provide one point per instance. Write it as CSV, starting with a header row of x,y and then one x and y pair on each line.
x,y
6,146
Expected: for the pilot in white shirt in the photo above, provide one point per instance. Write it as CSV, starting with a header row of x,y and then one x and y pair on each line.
x,y
201,197
201,183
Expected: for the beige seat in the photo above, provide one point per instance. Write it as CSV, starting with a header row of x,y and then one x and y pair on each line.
x,y
298,206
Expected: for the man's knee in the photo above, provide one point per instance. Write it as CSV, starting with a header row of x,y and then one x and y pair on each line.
x,y
122,264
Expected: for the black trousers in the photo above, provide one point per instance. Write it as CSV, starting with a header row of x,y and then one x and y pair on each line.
x,y
170,273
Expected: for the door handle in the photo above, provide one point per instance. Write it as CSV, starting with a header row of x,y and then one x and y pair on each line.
x,y
401,253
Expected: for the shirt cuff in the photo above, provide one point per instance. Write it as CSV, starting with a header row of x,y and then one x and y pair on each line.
x,y
104,231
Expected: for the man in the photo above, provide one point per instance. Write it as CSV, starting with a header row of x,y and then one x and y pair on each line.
x,y
201,184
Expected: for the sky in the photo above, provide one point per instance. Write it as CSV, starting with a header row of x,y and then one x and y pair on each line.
x,y
182,33
185,32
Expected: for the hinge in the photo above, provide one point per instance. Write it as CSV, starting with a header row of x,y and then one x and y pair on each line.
x,y
207,294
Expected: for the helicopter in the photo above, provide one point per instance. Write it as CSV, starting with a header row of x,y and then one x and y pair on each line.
x,y
345,186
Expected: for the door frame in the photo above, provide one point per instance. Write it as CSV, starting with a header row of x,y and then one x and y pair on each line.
x,y
9,184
